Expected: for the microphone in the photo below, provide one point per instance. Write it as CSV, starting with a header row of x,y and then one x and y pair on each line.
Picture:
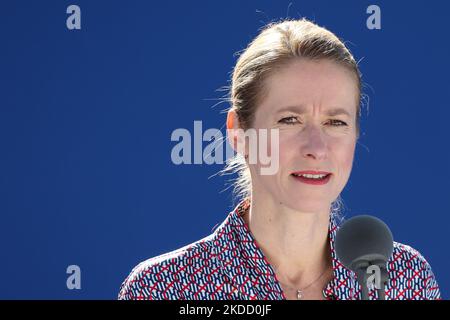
x,y
364,244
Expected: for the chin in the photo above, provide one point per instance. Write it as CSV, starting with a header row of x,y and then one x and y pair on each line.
x,y
310,205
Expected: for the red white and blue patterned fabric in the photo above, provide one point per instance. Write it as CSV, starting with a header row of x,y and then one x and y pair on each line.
x,y
229,265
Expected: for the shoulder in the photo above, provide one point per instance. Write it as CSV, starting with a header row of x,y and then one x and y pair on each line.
x,y
411,274
405,256
162,276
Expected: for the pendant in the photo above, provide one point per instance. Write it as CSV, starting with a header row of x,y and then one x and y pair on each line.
x,y
299,294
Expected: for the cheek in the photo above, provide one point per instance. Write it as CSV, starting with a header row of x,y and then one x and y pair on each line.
x,y
345,154
284,153
287,149
278,145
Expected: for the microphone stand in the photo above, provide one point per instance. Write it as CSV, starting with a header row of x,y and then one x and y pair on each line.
x,y
383,282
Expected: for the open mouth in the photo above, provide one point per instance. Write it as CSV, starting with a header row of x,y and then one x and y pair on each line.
x,y
312,178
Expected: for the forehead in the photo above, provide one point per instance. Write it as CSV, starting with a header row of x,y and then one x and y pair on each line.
x,y
307,83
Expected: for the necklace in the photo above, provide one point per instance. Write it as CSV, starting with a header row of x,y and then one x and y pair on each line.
x,y
300,291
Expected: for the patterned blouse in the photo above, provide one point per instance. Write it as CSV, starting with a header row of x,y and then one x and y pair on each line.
x,y
229,265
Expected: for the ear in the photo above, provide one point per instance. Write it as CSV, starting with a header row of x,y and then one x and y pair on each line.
x,y
235,134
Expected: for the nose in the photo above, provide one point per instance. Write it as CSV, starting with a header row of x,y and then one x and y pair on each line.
x,y
315,146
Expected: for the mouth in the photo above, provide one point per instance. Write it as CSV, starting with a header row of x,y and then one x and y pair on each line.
x,y
312,177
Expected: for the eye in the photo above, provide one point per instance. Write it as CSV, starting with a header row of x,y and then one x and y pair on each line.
x,y
337,123
289,120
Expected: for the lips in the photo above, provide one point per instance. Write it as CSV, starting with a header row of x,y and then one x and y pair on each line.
x,y
310,172
312,177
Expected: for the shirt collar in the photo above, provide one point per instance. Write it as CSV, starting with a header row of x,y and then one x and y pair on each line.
x,y
252,275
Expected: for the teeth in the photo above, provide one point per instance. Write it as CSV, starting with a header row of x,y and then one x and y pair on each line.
x,y
312,176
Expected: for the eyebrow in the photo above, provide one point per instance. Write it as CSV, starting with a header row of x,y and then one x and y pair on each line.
x,y
300,109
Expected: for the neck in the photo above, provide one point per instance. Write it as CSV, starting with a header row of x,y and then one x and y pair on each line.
x,y
295,243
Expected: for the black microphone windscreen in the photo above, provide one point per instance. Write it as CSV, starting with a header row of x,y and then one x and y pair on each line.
x,y
363,237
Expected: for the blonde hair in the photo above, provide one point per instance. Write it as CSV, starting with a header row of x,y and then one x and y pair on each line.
x,y
277,45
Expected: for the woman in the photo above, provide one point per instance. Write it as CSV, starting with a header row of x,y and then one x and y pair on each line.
x,y
278,243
